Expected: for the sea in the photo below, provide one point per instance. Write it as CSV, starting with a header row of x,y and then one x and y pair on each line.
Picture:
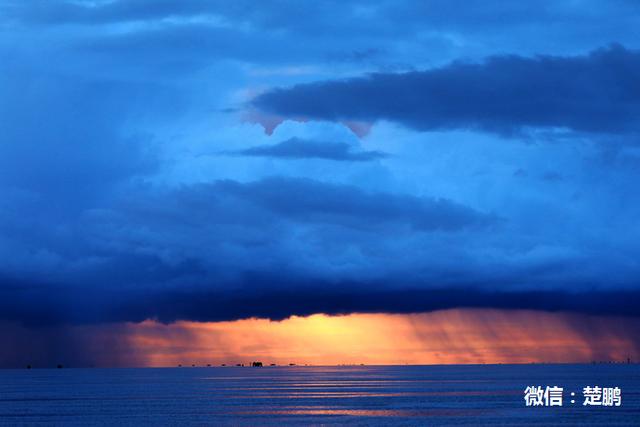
x,y
473,395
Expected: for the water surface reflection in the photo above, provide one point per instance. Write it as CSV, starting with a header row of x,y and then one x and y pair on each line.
x,y
455,394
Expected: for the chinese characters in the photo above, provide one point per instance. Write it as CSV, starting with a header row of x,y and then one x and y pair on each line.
x,y
537,396
552,396
601,396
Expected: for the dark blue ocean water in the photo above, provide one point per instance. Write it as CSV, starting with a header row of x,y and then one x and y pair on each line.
x,y
363,395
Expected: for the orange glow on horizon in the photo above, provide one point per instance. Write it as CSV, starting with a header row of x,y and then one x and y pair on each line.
x,y
442,337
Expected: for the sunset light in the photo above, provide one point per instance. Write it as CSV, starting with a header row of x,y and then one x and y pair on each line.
x,y
319,212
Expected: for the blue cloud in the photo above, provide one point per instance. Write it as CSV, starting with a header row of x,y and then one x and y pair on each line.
x,y
297,148
278,297
307,200
283,246
598,92
109,210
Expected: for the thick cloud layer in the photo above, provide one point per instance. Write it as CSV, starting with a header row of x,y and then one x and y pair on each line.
x,y
277,247
598,92
116,203
278,297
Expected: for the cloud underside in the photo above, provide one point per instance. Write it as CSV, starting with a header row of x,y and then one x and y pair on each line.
x,y
287,246
112,209
598,92
297,148
277,298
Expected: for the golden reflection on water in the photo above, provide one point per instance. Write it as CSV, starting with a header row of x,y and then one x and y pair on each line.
x,y
365,394
369,412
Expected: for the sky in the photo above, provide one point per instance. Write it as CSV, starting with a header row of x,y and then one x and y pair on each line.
x,y
171,166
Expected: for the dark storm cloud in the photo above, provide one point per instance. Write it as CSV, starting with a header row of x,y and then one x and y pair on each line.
x,y
598,92
274,302
314,201
280,296
100,111
146,244
268,202
297,148
284,246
